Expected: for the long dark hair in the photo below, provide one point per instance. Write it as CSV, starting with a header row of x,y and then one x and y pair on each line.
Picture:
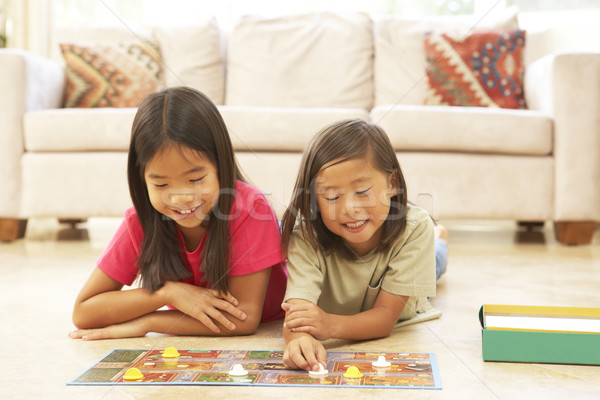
x,y
185,117
342,141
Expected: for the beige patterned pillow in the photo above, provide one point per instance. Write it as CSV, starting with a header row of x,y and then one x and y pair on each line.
x,y
110,74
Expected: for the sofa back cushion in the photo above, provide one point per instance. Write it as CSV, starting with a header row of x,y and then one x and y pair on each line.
x,y
192,56
314,60
400,61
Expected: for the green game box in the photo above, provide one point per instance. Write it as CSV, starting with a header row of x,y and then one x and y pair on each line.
x,y
538,334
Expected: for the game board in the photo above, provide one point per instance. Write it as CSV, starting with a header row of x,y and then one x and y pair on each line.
x,y
265,368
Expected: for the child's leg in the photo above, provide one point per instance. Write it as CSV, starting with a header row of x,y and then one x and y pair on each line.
x,y
441,251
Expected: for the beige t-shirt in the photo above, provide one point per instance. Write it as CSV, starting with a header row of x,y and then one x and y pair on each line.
x,y
344,287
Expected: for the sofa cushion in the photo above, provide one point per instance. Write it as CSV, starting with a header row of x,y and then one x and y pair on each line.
x,y
480,186
280,129
273,173
192,57
110,74
400,62
250,128
315,60
466,129
78,129
482,69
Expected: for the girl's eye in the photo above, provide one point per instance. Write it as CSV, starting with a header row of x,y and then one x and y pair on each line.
x,y
197,180
362,192
332,198
160,186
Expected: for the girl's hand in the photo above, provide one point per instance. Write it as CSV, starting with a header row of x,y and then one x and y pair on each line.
x,y
307,317
133,328
205,305
304,352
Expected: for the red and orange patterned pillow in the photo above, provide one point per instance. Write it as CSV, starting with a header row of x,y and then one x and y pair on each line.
x,y
110,75
483,69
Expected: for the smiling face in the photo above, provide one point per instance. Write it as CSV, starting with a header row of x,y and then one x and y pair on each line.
x,y
182,185
354,199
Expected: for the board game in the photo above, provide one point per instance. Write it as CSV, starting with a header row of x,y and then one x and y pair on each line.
x,y
261,368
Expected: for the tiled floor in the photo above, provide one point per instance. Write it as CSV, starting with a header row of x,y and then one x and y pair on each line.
x,y
489,263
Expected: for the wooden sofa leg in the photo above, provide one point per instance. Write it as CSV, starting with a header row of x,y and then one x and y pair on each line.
x,y
71,221
574,232
12,229
530,225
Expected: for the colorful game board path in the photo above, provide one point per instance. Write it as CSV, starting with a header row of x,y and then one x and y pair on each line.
x,y
260,368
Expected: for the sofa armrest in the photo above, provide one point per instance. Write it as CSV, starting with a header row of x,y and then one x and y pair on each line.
x,y
27,82
566,86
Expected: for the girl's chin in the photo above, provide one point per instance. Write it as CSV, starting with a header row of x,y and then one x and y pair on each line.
x,y
193,221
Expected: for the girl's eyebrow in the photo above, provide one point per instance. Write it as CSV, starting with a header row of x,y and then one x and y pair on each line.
x,y
191,171
357,180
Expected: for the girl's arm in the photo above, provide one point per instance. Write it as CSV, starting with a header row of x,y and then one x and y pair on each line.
x,y
247,291
306,317
302,350
101,302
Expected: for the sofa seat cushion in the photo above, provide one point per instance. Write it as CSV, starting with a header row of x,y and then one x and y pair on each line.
x,y
109,129
480,186
466,129
78,129
280,129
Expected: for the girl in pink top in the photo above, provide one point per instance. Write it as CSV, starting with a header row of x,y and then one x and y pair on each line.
x,y
199,239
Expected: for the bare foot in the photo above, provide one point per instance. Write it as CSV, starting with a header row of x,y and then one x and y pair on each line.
x,y
441,232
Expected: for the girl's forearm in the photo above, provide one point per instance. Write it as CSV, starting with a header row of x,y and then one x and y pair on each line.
x,y
177,323
370,324
289,335
114,307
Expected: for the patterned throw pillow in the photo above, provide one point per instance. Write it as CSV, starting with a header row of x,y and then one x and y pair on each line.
x,y
110,75
483,69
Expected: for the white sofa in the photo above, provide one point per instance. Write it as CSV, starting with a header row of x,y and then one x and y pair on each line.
x,y
279,81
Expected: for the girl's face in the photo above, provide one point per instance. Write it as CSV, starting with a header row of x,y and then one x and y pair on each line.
x,y
354,198
183,185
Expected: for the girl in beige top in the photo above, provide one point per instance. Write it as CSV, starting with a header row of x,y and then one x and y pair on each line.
x,y
359,257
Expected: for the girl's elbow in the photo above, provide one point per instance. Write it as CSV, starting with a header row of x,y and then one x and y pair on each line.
x,y
386,330
247,327
82,320
78,319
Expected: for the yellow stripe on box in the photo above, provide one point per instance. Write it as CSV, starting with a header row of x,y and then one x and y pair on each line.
x,y
589,312
536,330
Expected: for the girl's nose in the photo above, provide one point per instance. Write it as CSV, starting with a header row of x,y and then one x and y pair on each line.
x,y
181,198
352,206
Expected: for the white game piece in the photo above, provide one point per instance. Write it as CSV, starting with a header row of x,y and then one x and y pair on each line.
x,y
321,371
381,362
238,370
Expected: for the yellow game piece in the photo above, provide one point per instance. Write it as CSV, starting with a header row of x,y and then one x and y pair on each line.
x,y
133,374
353,373
170,352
